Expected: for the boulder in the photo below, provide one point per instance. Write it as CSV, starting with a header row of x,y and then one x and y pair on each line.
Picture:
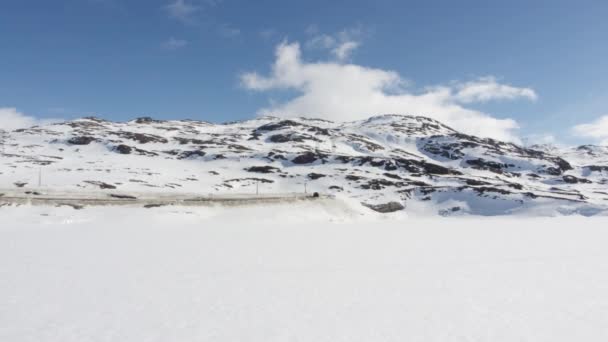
x,y
314,176
388,207
123,149
83,140
305,158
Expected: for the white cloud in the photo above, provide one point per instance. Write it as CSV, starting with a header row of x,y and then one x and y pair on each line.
x,y
597,130
11,119
344,92
341,45
344,50
174,44
182,10
487,88
186,10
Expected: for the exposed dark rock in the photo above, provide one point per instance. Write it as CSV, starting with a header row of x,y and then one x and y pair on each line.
x,y
255,136
261,180
140,137
83,140
144,152
574,180
449,211
489,165
191,154
306,158
293,137
353,178
392,175
484,189
476,182
262,169
553,171
515,186
385,207
438,169
417,183
184,141
318,130
172,152
123,149
20,184
118,196
562,164
597,168
364,142
335,187
379,184
314,176
278,125
147,120
149,206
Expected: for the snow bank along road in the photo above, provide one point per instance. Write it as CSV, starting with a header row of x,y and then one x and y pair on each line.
x,y
298,273
81,198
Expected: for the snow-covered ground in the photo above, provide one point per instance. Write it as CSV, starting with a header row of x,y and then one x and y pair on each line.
x,y
405,159
314,272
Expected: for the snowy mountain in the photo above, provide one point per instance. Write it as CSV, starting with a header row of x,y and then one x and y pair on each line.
x,y
383,162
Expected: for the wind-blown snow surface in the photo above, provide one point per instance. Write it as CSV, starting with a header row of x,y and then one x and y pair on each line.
x,y
312,272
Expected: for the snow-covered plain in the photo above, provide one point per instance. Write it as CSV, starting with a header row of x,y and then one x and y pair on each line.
x,y
315,271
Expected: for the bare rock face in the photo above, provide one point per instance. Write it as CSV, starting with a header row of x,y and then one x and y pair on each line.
x,y
140,137
306,158
313,175
123,149
191,154
385,207
574,180
262,169
83,140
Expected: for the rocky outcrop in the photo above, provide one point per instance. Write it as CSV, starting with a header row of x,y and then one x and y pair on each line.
x,y
384,208
262,169
83,140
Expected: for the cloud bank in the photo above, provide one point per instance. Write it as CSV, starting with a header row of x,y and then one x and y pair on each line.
x,y
341,45
182,11
345,92
596,130
11,119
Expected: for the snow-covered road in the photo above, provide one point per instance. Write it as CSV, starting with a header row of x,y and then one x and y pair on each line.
x,y
280,273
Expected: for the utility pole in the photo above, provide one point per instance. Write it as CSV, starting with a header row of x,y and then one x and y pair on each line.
x,y
40,177
3,137
305,187
257,187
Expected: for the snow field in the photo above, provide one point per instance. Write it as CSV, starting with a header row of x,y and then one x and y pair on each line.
x,y
314,272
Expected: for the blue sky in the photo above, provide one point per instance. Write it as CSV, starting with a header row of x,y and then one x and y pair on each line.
x,y
121,59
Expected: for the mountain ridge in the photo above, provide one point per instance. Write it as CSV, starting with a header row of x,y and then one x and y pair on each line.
x,y
406,159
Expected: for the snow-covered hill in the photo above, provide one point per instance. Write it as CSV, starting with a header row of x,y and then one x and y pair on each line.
x,y
409,160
